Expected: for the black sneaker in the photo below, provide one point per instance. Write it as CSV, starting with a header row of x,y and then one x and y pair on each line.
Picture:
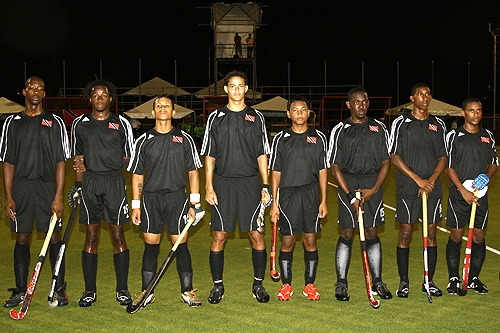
x,y
341,292
381,289
15,299
453,287
478,286
123,296
260,294
403,289
216,294
87,298
433,289
60,296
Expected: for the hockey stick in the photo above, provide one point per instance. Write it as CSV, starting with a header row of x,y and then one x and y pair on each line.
x,y
53,303
275,275
31,287
373,302
426,254
469,246
143,297
261,217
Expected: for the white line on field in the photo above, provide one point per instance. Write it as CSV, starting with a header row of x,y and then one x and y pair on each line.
x,y
438,227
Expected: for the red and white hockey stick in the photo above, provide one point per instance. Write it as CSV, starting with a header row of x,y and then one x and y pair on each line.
x,y
426,254
373,302
31,287
469,246
275,275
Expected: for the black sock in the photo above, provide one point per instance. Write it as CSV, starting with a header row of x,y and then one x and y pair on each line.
x,y
149,263
121,261
433,254
343,258
478,252
184,267
403,256
374,253
453,258
259,259
89,267
217,266
54,252
286,259
311,262
21,265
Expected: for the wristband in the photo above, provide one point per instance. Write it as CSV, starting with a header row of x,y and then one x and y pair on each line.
x,y
136,204
351,198
194,197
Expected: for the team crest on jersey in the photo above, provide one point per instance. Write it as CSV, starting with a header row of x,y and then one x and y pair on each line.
x,y
114,126
177,139
433,127
250,118
46,122
311,139
485,139
374,128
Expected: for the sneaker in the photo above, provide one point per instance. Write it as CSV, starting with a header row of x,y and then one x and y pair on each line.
x,y
15,299
216,294
150,300
381,289
123,296
311,292
341,292
60,297
403,289
190,298
87,298
433,289
478,286
260,294
454,286
285,292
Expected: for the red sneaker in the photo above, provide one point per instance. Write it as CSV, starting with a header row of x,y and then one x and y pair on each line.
x,y
311,292
285,292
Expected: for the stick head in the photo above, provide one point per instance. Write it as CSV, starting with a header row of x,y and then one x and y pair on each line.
x,y
275,276
376,304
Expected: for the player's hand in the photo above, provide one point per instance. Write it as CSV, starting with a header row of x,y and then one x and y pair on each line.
x,y
197,213
425,185
58,207
267,196
10,209
275,212
211,197
355,206
366,195
78,164
74,194
323,210
469,196
136,216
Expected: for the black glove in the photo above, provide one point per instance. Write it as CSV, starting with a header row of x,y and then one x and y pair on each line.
x,y
267,188
198,213
75,194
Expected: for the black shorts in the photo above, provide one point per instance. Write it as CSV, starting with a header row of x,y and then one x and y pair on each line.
x,y
160,208
237,197
33,200
299,210
374,214
104,198
408,211
458,214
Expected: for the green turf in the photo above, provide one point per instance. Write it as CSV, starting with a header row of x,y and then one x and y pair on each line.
x,y
239,311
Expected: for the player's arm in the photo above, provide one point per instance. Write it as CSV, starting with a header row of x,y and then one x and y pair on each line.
x,y
79,167
264,174
137,188
492,169
323,187
8,178
368,193
438,170
425,184
127,160
466,194
275,185
57,204
196,211
342,183
210,195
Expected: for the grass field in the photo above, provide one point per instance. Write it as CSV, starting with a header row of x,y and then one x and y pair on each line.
x,y
239,311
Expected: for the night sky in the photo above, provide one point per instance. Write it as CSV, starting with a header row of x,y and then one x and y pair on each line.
x,y
44,33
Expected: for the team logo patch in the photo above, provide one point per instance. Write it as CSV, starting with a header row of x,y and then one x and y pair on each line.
x,y
374,128
177,139
250,118
485,139
311,139
46,122
114,126
433,127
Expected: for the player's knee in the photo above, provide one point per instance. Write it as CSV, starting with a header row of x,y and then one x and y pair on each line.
x,y
23,237
371,233
56,237
347,233
405,235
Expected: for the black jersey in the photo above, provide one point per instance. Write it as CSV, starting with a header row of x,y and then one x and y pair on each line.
x,y
359,149
470,153
299,157
166,157
420,143
34,145
235,140
104,143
